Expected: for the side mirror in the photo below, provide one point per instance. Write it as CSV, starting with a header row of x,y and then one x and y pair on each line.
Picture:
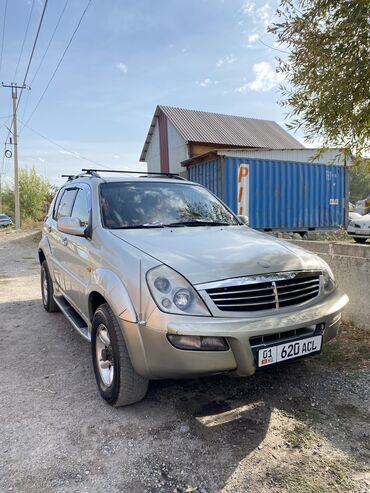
x,y
70,226
244,219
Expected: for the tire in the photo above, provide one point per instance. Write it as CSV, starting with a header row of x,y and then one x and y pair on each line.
x,y
359,240
47,290
118,383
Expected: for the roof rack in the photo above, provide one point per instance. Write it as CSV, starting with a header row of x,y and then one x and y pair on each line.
x,y
85,172
141,173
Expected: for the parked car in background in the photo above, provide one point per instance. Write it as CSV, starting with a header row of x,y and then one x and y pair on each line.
x,y
167,282
5,221
363,206
359,227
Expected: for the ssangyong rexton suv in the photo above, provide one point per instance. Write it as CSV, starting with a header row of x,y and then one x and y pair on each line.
x,y
166,282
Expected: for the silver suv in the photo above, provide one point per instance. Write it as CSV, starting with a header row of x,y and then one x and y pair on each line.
x,y
166,282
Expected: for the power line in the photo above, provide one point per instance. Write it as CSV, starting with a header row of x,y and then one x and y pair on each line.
x,y
29,62
24,40
76,154
33,49
50,41
60,61
3,36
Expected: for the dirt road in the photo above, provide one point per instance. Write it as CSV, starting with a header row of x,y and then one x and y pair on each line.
x,y
300,428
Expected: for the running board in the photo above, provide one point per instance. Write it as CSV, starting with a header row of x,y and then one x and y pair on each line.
x,y
73,317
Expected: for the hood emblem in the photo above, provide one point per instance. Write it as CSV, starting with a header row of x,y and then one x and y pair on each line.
x,y
264,263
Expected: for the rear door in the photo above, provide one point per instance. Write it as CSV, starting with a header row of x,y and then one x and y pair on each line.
x,y
76,256
58,241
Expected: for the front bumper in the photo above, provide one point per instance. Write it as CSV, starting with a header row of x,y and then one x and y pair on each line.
x,y
154,356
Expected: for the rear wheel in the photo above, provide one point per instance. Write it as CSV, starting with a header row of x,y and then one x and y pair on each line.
x,y
359,240
118,382
47,290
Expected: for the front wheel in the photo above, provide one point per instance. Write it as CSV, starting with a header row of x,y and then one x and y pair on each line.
x,y
118,382
359,240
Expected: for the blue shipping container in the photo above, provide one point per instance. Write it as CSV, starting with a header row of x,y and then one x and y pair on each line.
x,y
281,195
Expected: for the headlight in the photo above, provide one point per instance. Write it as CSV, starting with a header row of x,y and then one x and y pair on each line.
x,y
173,293
329,281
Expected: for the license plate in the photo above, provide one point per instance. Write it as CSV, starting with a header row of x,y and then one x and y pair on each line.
x,y
294,349
364,232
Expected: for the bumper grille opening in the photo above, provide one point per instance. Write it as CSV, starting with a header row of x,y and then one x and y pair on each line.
x,y
267,295
281,337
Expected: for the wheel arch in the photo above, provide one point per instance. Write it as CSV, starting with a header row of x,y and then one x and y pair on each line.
x,y
41,255
106,287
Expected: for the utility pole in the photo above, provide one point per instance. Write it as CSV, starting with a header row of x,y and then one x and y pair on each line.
x,y
15,88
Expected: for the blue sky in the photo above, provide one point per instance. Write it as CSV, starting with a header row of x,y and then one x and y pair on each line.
x,y
127,57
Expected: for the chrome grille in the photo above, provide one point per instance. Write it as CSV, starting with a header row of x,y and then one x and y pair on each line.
x,y
281,291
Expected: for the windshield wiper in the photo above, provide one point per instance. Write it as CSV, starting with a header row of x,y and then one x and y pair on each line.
x,y
141,226
198,223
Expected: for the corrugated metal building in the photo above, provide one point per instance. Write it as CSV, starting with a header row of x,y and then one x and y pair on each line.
x,y
254,165
176,135
283,189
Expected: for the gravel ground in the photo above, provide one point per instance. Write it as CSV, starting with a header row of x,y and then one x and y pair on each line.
x,y
299,428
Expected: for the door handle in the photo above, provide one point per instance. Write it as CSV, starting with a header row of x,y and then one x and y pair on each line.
x,y
65,241
49,229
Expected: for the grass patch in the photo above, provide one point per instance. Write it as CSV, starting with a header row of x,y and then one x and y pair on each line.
x,y
324,477
301,436
350,349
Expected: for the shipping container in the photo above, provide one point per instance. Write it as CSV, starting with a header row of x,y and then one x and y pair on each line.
x,y
276,194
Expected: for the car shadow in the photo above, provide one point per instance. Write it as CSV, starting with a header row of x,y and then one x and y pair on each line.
x,y
185,432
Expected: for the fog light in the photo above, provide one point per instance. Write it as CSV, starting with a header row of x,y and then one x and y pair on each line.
x,y
198,343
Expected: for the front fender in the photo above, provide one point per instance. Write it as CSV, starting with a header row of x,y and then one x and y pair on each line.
x,y
110,286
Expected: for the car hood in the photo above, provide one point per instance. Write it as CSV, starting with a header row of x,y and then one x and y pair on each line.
x,y
205,254
363,221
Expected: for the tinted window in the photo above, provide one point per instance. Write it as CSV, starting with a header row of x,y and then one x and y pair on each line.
x,y
66,203
129,204
56,203
80,208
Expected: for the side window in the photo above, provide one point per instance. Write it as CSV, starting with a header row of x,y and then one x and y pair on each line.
x,y
80,208
66,203
57,202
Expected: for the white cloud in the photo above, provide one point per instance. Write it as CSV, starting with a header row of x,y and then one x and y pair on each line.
x,y
261,16
116,156
205,82
66,152
41,160
121,67
248,8
266,79
230,59
252,38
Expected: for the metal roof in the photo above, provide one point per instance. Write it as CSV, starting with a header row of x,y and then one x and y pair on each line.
x,y
219,129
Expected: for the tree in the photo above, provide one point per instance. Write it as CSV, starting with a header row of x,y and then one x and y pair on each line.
x,y
35,195
327,69
360,179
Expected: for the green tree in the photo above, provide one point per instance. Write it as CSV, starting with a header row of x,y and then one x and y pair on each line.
x,y
327,69
35,195
359,179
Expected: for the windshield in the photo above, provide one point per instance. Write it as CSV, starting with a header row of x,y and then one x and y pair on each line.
x,y
148,204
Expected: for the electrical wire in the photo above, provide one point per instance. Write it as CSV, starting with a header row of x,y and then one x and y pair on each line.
x,y
59,62
24,40
29,64
3,35
50,41
33,50
42,60
76,154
